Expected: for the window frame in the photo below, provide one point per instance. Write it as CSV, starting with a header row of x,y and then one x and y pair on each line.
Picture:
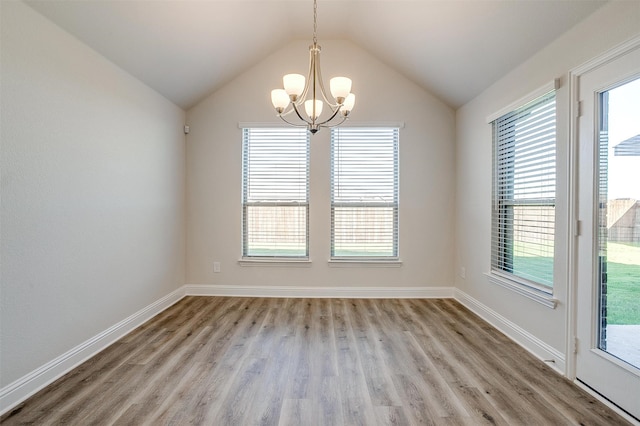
x,y
538,291
394,204
278,258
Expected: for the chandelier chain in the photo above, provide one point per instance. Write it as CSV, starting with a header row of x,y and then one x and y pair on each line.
x,y
315,21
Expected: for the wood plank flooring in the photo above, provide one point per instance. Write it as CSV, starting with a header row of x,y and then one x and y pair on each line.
x,y
262,361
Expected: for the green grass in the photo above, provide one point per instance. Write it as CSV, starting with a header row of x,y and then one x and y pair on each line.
x,y
281,252
623,276
534,262
623,284
623,268
538,269
362,253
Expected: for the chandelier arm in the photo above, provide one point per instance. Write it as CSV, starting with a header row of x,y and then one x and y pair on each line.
x,y
331,118
328,126
300,116
321,81
307,83
293,124
287,110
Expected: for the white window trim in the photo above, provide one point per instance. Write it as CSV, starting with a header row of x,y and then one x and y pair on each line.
x,y
268,260
274,261
552,85
364,263
349,123
526,288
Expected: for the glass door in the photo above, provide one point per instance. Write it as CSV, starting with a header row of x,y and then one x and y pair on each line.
x,y
608,285
619,222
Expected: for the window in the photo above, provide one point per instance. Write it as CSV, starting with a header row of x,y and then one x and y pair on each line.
x,y
524,190
364,193
275,192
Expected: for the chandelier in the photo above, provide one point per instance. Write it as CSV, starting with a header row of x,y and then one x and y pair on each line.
x,y
310,93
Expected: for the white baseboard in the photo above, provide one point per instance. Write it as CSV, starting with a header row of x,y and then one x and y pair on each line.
x,y
325,292
18,391
551,356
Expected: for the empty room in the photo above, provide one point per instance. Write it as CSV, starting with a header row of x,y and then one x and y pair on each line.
x,y
320,212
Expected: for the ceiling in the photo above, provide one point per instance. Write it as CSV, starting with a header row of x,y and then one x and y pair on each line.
x,y
187,49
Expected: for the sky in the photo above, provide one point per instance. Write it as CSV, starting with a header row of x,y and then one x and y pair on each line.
x,y
624,122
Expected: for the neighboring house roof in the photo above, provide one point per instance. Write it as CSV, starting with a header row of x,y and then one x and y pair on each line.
x,y
629,147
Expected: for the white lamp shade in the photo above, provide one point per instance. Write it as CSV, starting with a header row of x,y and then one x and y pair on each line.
x,y
349,102
340,87
308,107
279,99
293,84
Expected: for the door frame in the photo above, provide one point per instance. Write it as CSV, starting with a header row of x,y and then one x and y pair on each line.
x,y
574,225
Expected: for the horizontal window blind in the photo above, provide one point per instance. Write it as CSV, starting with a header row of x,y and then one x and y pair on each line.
x,y
275,192
364,192
524,191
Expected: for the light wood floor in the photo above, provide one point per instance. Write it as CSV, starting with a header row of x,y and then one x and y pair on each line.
x,y
247,361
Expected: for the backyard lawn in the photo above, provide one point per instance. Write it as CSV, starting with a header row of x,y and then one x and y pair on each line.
x,y
623,289
623,276
623,268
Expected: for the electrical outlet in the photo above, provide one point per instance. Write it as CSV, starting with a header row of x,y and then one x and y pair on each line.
x,y
216,267
463,272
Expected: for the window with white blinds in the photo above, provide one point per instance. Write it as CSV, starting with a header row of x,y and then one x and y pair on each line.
x,y
275,192
364,193
524,192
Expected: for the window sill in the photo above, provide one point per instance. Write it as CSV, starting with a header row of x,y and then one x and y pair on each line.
x,y
276,261
365,263
523,289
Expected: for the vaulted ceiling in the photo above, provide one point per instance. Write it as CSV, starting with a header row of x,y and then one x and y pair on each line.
x,y
187,49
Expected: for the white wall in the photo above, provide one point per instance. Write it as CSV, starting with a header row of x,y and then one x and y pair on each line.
x,y
607,27
93,189
426,174
93,183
